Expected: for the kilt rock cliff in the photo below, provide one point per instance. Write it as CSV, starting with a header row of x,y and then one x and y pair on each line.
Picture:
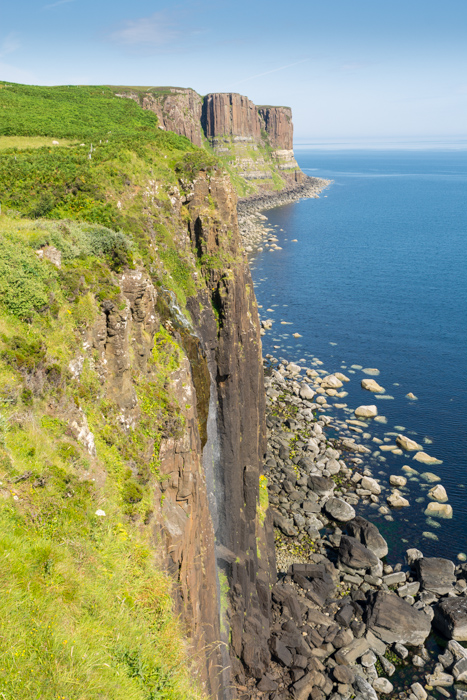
x,y
138,548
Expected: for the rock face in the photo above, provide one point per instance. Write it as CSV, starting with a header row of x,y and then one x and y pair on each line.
x,y
178,109
230,114
451,618
394,620
278,126
369,535
239,431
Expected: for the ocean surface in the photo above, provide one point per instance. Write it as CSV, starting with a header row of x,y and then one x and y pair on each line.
x,y
377,278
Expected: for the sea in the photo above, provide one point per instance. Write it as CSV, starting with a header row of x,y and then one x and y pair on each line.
x,y
373,275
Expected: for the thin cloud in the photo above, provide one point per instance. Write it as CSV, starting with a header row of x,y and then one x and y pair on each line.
x,y
268,72
9,44
56,4
154,32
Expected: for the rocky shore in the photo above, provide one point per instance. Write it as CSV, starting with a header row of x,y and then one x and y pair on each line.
x,y
346,623
251,220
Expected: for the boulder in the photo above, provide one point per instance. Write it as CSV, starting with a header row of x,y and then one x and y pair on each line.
x,y
382,685
451,618
406,443
412,555
341,376
438,493
435,574
280,652
283,524
339,510
368,534
355,555
370,485
396,480
331,382
372,385
343,674
267,685
366,411
439,510
392,619
364,689
424,458
321,485
348,655
396,500
306,392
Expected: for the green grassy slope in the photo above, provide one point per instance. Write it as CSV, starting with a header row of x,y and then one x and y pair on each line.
x,y
85,612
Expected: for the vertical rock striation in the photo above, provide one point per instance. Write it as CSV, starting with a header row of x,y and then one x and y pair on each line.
x,y
230,114
278,126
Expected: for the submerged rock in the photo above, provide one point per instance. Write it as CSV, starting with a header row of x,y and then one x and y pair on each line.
x,y
396,500
424,458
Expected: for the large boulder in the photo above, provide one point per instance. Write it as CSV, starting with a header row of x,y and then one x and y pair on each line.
x,y
337,509
406,443
355,555
372,385
368,534
435,574
366,411
321,485
331,382
392,619
451,618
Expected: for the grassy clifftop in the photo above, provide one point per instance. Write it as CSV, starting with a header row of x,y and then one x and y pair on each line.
x,y
85,610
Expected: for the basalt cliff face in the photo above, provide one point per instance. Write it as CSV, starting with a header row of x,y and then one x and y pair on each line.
x,y
254,143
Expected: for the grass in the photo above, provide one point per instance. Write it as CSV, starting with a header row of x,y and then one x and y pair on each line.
x,y
22,142
85,611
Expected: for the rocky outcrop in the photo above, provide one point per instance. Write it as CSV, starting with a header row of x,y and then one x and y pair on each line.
x,y
230,114
278,126
178,109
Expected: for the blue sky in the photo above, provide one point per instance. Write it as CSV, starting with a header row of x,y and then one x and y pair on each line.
x,y
348,68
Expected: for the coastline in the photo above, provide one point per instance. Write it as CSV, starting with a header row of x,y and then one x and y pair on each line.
x,y
331,560
250,219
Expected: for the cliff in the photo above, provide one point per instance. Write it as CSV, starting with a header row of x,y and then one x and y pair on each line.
x,y
255,144
132,427
178,109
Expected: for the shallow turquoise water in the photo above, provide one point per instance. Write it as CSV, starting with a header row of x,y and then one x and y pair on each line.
x,y
378,278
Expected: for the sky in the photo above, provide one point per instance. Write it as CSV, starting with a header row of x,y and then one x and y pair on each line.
x,y
358,69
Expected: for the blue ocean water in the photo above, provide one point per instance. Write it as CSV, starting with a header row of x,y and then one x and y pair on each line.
x,y
378,278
